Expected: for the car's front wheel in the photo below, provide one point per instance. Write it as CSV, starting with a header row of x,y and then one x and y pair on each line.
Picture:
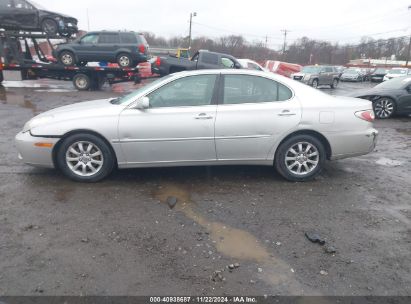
x,y
85,158
67,58
315,83
300,158
50,27
334,84
384,107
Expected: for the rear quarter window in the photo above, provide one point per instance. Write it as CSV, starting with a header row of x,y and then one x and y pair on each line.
x,y
128,38
209,58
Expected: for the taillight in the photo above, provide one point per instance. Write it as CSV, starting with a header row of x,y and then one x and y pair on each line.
x,y
142,48
367,115
158,61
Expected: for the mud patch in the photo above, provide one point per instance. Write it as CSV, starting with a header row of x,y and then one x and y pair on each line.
x,y
18,100
231,242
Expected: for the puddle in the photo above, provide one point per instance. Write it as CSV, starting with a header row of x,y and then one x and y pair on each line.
x,y
232,242
404,131
55,90
389,162
18,100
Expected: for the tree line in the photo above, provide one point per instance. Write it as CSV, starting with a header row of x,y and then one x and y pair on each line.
x,y
302,51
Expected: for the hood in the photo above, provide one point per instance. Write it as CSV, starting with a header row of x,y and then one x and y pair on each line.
x,y
81,110
372,91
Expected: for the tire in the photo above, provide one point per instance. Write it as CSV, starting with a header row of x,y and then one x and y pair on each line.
x,y
67,58
315,84
384,108
334,84
124,60
82,82
72,157
287,165
50,27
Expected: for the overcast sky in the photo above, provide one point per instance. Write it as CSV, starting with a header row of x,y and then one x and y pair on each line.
x,y
337,20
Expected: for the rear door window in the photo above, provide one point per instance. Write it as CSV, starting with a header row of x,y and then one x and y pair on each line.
x,y
253,89
109,38
128,38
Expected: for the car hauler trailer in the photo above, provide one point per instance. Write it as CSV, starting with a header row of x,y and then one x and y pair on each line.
x,y
16,54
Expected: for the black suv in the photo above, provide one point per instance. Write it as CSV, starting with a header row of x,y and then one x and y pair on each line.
x,y
127,49
25,15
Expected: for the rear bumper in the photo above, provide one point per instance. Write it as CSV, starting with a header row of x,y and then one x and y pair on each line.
x,y
349,144
29,153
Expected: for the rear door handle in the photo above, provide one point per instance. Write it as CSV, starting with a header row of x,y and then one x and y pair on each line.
x,y
286,113
203,116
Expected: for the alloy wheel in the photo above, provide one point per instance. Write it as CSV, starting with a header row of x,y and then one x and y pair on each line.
x,y
84,158
124,61
67,59
384,108
302,158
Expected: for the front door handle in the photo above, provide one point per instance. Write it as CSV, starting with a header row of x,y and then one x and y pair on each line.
x,y
286,113
203,116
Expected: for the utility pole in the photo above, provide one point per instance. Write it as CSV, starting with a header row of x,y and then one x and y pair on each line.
x,y
285,41
88,21
266,41
409,48
189,35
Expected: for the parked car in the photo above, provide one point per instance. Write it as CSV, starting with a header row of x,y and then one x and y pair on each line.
x,y
316,75
127,49
340,69
390,97
378,75
366,72
352,75
251,65
27,15
395,72
203,59
203,117
282,68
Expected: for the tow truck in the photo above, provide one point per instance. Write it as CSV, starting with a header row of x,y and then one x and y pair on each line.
x,y
16,48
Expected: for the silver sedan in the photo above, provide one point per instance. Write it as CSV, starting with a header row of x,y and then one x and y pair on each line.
x,y
209,117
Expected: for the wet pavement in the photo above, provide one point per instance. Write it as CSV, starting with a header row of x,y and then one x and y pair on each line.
x,y
120,237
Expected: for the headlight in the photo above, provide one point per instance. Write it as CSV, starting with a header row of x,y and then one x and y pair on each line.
x,y
35,122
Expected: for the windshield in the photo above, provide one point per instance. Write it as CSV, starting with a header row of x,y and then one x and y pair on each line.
x,y
396,83
131,96
311,69
397,72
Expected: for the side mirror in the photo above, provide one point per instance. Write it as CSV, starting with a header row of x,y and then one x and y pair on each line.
x,y
238,65
143,103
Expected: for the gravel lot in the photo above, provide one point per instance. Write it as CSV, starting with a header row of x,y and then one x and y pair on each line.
x,y
119,237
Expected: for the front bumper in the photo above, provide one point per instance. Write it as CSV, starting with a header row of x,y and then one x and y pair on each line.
x,y
308,81
35,151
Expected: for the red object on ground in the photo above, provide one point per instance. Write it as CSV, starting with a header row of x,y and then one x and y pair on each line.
x,y
283,68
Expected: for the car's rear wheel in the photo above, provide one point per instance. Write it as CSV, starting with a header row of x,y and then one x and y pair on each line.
x,y
49,26
67,58
384,107
300,158
82,82
124,60
315,83
334,84
85,158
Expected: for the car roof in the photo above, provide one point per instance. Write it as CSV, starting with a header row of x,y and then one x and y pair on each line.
x,y
113,32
